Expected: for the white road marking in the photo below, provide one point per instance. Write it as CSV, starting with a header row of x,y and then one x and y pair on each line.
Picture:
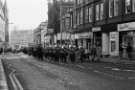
x,y
110,75
115,69
80,66
129,70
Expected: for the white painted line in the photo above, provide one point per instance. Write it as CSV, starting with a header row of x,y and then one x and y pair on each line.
x,y
80,66
12,81
18,83
15,81
110,75
129,70
116,69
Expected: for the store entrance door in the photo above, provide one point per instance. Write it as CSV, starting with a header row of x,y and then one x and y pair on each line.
x,y
97,38
127,46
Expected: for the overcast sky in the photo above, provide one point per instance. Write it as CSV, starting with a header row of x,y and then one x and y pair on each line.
x,y
26,14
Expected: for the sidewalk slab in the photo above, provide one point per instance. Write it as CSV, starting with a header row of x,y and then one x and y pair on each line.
x,y
118,60
3,81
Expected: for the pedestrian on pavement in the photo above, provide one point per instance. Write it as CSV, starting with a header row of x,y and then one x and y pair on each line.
x,y
129,51
94,53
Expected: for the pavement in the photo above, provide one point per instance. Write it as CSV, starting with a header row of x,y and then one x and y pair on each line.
x,y
3,81
117,60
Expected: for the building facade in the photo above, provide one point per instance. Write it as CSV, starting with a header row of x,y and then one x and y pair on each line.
x,y
43,34
108,24
21,39
5,10
3,24
65,8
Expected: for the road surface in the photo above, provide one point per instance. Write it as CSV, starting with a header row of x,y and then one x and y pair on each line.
x,y
39,75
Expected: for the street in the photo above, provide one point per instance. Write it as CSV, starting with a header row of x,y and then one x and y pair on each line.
x,y
41,75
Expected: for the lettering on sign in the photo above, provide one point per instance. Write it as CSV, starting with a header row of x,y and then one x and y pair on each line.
x,y
126,26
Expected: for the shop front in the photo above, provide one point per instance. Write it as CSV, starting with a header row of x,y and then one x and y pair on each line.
x,y
110,40
97,36
127,40
85,40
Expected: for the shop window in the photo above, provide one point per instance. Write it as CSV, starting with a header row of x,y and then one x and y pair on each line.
x,y
127,6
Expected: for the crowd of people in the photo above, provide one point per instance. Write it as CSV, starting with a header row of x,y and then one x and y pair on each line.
x,y
64,53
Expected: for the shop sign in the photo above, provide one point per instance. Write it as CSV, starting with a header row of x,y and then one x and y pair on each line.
x,y
113,35
50,30
126,26
59,36
85,35
96,29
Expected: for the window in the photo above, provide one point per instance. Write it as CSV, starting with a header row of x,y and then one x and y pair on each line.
x,y
97,12
86,14
111,8
78,14
101,11
81,16
90,14
71,20
133,5
74,18
116,7
127,6
79,1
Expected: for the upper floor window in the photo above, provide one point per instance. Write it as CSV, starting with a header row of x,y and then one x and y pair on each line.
x,y
116,7
97,12
133,5
113,8
90,14
79,1
78,17
81,16
127,6
86,14
100,11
